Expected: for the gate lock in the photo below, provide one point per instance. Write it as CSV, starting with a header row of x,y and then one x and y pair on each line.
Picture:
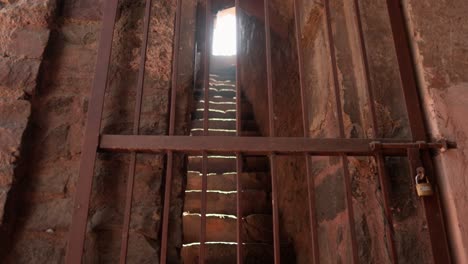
x,y
422,188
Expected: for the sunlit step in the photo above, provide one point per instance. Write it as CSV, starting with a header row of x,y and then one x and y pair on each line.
x,y
255,228
221,202
228,181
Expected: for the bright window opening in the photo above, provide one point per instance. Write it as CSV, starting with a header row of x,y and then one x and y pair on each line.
x,y
224,35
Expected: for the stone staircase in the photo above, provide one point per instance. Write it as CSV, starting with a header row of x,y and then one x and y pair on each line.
x,y
221,205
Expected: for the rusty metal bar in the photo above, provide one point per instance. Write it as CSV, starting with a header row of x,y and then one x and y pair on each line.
x,y
433,210
136,129
238,133
407,71
203,207
240,216
347,179
431,204
207,55
305,120
390,232
91,141
252,145
376,133
271,122
172,120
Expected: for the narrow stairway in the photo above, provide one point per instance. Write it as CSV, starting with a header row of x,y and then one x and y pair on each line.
x,y
221,205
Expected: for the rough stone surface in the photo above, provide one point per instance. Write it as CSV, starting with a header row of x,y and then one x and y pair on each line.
x,y
24,32
44,100
57,116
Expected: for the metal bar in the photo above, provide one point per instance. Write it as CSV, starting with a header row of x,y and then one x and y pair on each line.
x,y
271,117
432,207
376,133
347,179
172,120
136,129
274,189
91,141
238,133
407,71
240,216
203,208
305,120
207,55
433,210
390,232
254,145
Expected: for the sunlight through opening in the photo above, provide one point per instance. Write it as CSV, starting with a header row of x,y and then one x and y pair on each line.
x,y
224,35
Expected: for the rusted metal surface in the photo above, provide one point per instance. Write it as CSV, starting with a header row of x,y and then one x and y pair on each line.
x,y
239,252
251,145
271,123
76,235
344,159
407,71
270,146
432,207
379,158
207,55
136,131
305,125
172,121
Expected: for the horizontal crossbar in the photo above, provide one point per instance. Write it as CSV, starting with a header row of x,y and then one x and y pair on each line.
x,y
252,145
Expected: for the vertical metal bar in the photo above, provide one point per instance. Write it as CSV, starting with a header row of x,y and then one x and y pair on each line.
x,y
136,129
203,208
390,232
433,210
376,134
407,71
207,55
238,133
76,236
347,180
172,120
271,117
431,204
305,120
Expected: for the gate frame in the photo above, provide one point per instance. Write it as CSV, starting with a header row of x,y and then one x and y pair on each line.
x,y
417,149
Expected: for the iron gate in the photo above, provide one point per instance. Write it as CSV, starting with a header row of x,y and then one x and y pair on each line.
x,y
417,150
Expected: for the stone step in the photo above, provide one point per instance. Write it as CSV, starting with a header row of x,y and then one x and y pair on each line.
x,y
253,202
219,100
220,164
255,228
247,125
226,253
227,133
199,114
222,93
228,181
219,106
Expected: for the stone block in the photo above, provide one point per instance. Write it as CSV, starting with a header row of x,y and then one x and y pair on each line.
x,y
38,249
17,77
53,214
27,42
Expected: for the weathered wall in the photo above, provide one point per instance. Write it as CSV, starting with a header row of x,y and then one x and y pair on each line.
x,y
24,33
332,212
439,30
43,208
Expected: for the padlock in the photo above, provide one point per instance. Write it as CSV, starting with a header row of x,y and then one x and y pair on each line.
x,y
423,188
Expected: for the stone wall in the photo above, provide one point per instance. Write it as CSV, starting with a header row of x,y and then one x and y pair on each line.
x,y
56,117
331,207
24,33
439,31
